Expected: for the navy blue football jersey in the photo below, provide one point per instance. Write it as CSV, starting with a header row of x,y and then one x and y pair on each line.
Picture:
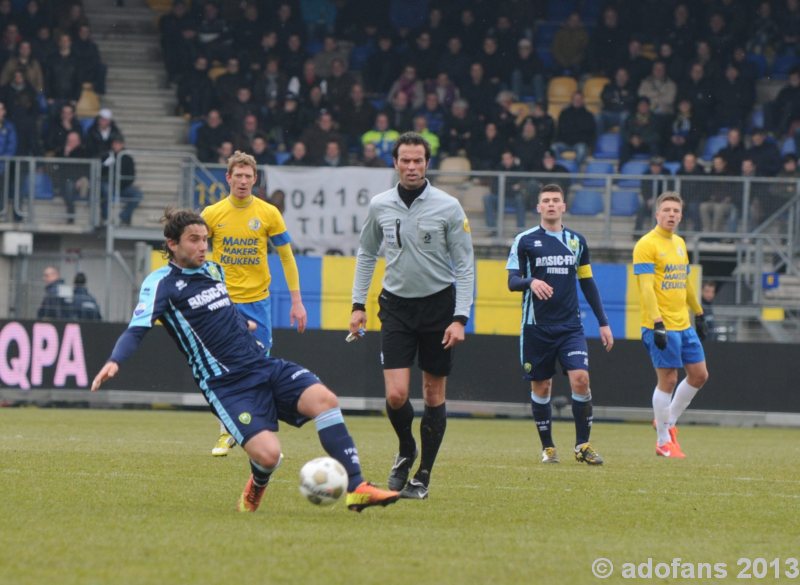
x,y
194,306
559,259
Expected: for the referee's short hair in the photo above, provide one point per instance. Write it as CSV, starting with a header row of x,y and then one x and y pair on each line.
x,y
413,139
551,188
240,158
175,222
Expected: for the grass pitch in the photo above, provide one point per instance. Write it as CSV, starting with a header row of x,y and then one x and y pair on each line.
x,y
134,497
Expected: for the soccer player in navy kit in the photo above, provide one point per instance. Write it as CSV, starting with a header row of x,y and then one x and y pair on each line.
x,y
246,389
544,263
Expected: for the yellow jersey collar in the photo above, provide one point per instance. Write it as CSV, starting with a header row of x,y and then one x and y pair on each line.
x,y
240,203
663,233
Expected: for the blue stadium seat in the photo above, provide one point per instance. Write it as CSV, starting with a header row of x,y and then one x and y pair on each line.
x,y
757,118
570,165
788,147
672,166
546,57
783,64
282,157
633,167
42,186
624,203
597,167
760,62
591,10
545,33
586,202
560,9
607,145
713,145
193,128
359,56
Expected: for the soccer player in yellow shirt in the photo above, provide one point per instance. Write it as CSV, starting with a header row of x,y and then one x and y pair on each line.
x,y
661,266
239,228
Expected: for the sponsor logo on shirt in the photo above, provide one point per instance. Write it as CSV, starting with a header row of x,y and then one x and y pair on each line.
x,y
180,285
214,297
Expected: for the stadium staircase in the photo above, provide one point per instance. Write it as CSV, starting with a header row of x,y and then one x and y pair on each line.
x,y
142,104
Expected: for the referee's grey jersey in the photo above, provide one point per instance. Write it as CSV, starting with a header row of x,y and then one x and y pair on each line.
x,y
428,247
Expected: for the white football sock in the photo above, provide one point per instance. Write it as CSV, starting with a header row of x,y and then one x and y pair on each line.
x,y
661,401
222,428
683,396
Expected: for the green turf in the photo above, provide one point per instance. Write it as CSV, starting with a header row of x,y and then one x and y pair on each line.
x,y
134,497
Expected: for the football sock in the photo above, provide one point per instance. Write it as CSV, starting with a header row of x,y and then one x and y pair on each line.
x,y
542,415
431,431
401,420
338,443
262,474
661,402
582,412
683,396
222,428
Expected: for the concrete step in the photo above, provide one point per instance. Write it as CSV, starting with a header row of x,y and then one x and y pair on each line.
x,y
139,74
120,56
133,93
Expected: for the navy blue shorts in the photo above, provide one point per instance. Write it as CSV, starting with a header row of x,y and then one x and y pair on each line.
x,y
259,399
542,345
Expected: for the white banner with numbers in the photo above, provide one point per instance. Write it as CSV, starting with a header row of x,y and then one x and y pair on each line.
x,y
326,207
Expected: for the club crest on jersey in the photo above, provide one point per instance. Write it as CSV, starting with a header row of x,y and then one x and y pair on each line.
x,y
573,245
254,223
180,285
213,272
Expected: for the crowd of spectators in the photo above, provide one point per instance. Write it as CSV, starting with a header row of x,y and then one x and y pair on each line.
x,y
301,70
47,54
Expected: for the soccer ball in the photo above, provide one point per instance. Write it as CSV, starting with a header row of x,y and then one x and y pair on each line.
x,y
323,481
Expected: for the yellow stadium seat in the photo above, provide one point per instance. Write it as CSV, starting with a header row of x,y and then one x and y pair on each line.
x,y
215,72
453,164
592,88
560,89
521,110
89,103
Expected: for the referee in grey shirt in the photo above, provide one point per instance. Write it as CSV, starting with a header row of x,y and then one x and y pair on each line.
x,y
424,305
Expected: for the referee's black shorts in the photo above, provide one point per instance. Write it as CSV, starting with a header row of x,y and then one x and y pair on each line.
x,y
416,326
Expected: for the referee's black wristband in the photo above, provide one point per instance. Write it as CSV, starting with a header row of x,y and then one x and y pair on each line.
x,y
460,319
359,307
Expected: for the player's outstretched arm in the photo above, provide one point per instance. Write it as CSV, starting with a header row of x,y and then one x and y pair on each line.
x,y
108,371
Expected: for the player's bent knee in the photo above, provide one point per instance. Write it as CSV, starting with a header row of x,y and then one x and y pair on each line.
x,y
396,397
264,449
316,399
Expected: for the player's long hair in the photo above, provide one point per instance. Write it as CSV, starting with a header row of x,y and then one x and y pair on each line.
x,y
175,222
